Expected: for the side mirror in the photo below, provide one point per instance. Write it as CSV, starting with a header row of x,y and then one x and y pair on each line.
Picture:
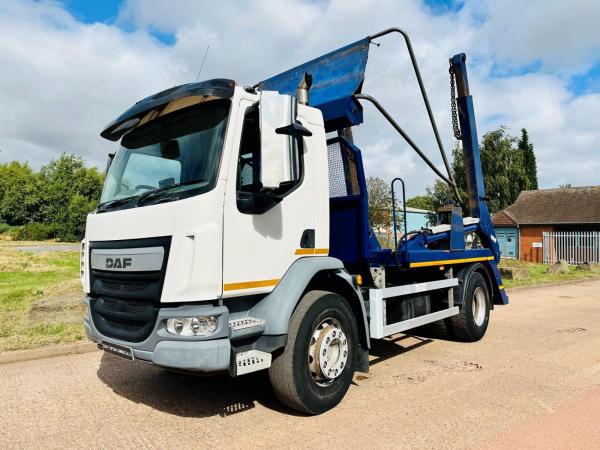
x,y
276,112
255,202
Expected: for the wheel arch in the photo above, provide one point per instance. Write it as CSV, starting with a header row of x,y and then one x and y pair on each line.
x,y
277,307
313,273
340,282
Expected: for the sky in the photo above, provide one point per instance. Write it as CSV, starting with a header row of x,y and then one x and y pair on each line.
x,y
70,67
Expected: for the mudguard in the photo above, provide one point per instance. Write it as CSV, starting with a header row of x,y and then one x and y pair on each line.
x,y
277,307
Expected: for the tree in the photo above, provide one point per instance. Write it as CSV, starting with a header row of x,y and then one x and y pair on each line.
x,y
503,168
529,160
421,202
64,178
380,203
440,194
53,202
19,194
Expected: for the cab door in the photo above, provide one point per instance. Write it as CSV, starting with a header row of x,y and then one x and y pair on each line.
x,y
258,248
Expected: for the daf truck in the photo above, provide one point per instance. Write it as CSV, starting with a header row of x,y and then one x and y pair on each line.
x,y
232,233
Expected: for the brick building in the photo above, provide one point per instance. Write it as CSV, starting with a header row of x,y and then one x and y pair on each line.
x,y
519,227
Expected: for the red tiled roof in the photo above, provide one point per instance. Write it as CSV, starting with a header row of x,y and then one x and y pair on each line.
x,y
503,218
578,205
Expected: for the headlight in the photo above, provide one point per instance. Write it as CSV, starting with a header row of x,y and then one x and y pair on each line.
x,y
192,326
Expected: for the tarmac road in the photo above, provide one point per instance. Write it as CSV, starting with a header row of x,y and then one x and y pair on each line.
x,y
534,381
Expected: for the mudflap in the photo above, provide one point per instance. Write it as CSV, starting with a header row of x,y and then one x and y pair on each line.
x,y
500,297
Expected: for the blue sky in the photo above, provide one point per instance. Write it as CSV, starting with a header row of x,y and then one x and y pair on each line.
x,y
94,11
107,11
71,66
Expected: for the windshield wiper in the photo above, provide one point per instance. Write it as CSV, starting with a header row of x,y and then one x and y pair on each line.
x,y
112,203
156,192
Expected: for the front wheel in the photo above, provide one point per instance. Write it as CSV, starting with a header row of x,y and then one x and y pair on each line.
x,y
313,373
472,321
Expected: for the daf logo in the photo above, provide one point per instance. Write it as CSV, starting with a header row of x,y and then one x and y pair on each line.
x,y
118,263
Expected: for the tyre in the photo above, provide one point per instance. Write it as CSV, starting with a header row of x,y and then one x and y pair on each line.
x,y
472,321
313,373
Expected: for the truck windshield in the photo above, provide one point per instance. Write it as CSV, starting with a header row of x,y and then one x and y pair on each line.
x,y
168,158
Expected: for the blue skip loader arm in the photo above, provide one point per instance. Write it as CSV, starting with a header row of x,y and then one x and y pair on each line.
x,y
337,81
474,173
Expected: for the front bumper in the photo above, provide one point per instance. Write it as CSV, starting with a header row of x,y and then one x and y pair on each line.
x,y
206,353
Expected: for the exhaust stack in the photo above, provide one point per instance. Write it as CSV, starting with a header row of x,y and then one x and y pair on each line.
x,y
303,88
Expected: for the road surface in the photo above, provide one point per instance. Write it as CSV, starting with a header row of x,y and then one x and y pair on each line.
x,y
534,381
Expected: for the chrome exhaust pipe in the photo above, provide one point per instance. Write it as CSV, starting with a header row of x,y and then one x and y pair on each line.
x,y
303,88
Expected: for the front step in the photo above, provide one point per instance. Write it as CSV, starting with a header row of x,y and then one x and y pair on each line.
x,y
379,327
251,361
245,327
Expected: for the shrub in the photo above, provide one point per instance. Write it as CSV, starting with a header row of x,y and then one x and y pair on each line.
x,y
72,228
5,228
33,232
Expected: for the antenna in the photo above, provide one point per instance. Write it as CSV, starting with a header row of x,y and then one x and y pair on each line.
x,y
202,65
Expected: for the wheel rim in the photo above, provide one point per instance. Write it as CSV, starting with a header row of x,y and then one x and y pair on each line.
x,y
328,352
479,306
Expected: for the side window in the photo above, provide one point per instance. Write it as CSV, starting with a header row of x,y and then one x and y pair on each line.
x,y
249,160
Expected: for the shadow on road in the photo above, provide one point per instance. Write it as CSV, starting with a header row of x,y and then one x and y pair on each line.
x,y
188,395
184,394
384,349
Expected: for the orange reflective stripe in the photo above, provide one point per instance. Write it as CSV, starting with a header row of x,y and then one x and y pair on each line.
x,y
312,251
249,284
450,261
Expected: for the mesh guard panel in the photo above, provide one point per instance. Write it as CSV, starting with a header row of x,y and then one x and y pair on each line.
x,y
343,177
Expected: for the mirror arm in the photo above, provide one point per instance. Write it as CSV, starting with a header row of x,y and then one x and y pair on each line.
x,y
295,129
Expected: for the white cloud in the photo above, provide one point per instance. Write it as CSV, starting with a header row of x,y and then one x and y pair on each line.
x,y
62,80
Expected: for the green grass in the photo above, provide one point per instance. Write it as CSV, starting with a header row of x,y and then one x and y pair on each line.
x,y
538,274
40,299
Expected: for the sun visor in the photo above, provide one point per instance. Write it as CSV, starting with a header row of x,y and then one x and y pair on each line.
x,y
167,101
336,77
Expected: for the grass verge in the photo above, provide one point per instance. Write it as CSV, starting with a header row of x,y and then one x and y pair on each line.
x,y
40,299
538,274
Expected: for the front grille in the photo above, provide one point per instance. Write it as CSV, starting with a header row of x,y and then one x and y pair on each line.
x,y
131,307
129,320
124,305
130,286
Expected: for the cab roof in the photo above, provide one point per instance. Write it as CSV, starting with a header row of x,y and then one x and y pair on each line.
x,y
218,87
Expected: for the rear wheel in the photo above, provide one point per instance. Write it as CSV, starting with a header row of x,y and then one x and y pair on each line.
x,y
472,321
313,373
